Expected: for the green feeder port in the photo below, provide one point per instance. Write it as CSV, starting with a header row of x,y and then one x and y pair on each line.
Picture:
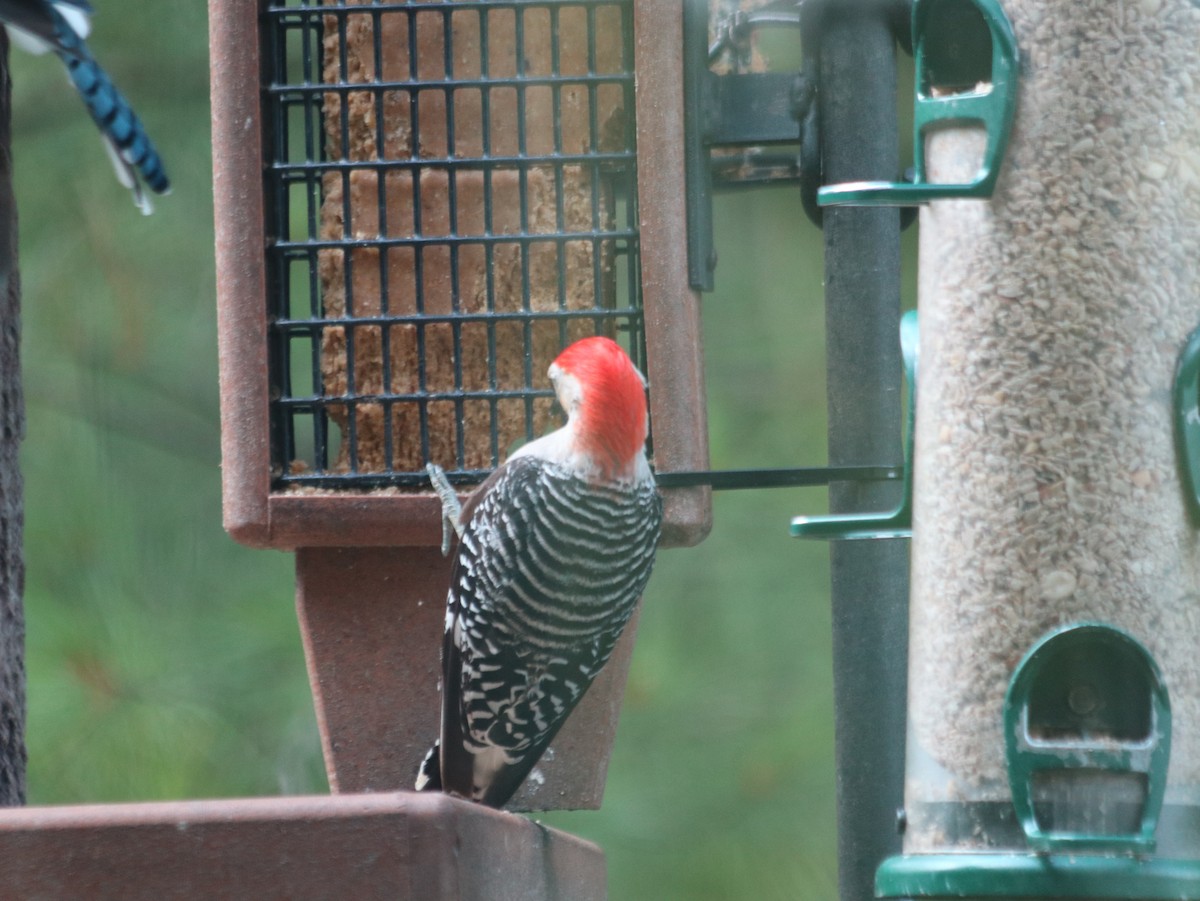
x,y
1087,725
966,74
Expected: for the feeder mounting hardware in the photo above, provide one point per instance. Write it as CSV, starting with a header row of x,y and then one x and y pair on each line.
x,y
898,522
746,129
749,129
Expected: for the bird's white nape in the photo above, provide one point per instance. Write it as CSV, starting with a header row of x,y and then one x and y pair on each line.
x,y
566,388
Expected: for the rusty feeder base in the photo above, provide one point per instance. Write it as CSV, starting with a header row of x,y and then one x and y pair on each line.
x,y
395,846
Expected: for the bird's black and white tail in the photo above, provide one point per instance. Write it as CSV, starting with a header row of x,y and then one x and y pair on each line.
x,y
429,777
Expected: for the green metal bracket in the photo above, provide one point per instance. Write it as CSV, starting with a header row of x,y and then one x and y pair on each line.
x,y
1186,395
966,74
1087,723
748,110
898,523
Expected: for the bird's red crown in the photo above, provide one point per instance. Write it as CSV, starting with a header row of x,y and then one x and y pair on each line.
x,y
612,415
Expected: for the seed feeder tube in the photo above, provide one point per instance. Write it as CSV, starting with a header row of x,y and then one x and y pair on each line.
x,y
417,206
1053,745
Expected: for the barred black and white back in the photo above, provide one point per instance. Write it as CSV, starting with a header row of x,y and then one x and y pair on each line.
x,y
548,573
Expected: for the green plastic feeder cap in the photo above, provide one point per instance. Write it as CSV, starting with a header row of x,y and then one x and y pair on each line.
x,y
966,74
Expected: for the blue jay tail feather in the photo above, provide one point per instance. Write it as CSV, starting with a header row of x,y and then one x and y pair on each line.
x,y
61,26
41,25
133,152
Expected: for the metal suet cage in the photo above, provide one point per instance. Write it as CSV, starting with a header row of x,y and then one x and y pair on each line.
x,y
449,195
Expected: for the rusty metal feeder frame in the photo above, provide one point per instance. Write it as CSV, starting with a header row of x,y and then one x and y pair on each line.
x,y
381,216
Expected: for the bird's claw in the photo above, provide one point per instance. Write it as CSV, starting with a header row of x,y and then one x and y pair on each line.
x,y
451,508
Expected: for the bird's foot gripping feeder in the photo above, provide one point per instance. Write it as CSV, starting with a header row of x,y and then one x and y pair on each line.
x,y
1087,728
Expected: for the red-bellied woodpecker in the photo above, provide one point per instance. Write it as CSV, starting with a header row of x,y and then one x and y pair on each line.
x,y
555,549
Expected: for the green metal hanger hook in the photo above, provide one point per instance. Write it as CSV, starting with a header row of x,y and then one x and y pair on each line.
x,y
898,523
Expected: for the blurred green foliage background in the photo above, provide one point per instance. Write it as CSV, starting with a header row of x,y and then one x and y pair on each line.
x,y
164,660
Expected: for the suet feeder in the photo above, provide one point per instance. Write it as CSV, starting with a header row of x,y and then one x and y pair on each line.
x,y
418,205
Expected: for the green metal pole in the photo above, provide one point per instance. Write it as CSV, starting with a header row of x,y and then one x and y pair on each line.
x,y
858,126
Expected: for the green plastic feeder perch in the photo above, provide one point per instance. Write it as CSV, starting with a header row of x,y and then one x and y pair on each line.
x,y
897,523
966,74
1087,722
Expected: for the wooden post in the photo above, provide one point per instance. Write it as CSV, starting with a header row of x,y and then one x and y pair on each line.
x,y
399,847
12,504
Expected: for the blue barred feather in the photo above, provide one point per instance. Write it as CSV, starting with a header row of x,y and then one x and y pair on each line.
x,y
61,26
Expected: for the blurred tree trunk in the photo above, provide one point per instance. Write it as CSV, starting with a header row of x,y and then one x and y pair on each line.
x,y
12,503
